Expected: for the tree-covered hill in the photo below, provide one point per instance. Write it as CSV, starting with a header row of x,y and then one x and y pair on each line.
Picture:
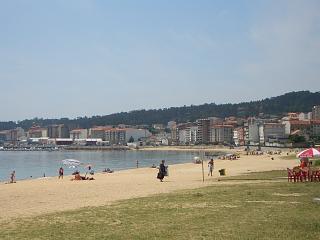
x,y
301,101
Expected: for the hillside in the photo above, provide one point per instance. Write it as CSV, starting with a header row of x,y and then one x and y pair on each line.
x,y
301,101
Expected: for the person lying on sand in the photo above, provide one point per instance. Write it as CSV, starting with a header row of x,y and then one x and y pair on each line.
x,y
107,170
77,177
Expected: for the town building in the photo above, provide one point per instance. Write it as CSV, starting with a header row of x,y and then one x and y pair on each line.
x,y
254,131
203,132
115,135
315,128
305,116
239,136
37,132
221,134
274,132
58,131
98,132
4,135
171,124
79,134
316,113
191,134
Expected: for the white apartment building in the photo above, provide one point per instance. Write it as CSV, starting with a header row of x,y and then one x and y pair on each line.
x,y
79,134
191,134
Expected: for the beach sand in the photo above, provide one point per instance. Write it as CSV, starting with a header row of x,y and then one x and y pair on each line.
x,y
47,195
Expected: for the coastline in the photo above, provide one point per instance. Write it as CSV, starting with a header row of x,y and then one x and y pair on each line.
x,y
192,149
45,195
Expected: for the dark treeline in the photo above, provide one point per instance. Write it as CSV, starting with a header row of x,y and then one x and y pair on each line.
x,y
301,101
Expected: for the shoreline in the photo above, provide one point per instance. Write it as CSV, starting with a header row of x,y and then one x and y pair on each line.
x,y
39,196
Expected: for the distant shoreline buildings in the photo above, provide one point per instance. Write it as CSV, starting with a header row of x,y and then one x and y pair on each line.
x,y
294,129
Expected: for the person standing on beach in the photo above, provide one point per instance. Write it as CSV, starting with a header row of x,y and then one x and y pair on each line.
x,y
61,173
13,177
162,171
210,167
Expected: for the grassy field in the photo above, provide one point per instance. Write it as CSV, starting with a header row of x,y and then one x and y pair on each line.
x,y
248,209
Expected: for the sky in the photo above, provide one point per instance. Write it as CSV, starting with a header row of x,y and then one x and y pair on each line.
x,y
96,57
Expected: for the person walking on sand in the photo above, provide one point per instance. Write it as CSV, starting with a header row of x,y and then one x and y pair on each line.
x,y
210,167
13,177
61,173
162,171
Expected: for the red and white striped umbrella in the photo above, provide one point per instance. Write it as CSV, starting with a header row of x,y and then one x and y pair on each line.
x,y
309,153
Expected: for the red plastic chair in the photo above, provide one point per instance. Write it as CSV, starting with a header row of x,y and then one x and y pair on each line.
x,y
298,174
291,175
315,175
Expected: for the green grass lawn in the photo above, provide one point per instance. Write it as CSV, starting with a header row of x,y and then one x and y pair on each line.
x,y
255,210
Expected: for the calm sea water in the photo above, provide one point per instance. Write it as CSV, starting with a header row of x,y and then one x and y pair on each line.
x,y
35,164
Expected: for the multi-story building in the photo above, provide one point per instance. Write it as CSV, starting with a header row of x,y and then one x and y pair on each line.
x,y
221,134
215,120
203,133
182,137
273,132
239,136
79,134
171,124
174,134
253,131
4,135
98,132
115,136
17,134
37,132
316,113
191,134
305,116
315,128
58,131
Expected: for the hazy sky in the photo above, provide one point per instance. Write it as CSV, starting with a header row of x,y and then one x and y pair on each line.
x,y
69,58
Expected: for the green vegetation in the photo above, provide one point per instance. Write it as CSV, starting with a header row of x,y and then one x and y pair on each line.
x,y
301,101
255,210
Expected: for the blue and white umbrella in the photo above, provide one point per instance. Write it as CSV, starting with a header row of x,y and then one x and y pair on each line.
x,y
72,163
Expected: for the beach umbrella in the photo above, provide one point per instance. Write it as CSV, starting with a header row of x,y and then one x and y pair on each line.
x,y
72,163
309,153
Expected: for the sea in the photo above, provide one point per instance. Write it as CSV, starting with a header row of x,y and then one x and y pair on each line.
x,y
37,164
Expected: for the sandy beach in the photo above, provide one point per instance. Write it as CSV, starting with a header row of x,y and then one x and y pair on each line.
x,y
47,195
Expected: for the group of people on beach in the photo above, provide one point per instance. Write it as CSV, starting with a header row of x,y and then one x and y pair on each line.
x,y
163,171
